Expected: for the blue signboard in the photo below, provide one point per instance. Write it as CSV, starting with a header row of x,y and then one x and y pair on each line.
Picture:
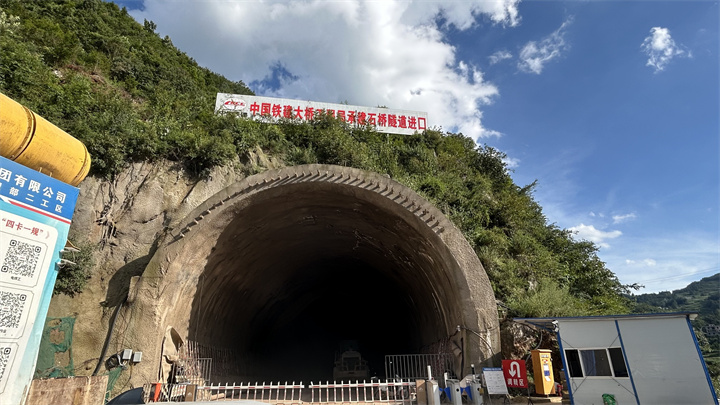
x,y
35,214
36,192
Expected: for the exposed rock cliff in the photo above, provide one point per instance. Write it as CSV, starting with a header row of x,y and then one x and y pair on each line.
x,y
124,218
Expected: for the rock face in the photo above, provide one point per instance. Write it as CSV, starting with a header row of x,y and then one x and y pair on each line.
x,y
124,218
278,267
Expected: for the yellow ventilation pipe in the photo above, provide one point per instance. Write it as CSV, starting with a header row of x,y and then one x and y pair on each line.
x,y
32,141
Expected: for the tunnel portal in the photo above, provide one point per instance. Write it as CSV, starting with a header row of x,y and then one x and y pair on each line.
x,y
287,267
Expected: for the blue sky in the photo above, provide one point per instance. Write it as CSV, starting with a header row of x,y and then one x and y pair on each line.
x,y
611,106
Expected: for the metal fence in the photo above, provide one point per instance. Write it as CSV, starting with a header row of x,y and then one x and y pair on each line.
x,y
271,393
165,392
414,366
395,392
274,393
226,362
376,391
190,370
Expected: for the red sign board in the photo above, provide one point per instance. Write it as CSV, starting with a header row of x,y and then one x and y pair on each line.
x,y
515,373
270,109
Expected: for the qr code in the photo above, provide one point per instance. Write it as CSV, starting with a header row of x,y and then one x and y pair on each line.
x,y
21,259
4,360
12,307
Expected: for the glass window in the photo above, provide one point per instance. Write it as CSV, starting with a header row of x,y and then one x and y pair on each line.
x,y
596,363
618,362
573,359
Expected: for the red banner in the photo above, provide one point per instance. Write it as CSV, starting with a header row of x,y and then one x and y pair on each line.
x,y
515,373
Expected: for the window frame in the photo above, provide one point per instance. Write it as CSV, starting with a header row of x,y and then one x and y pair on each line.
x,y
614,368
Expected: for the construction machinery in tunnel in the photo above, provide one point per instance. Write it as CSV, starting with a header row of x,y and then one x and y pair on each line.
x,y
282,266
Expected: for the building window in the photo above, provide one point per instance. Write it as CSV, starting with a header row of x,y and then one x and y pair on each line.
x,y
573,361
618,362
596,362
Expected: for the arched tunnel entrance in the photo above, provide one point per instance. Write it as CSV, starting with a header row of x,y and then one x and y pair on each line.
x,y
289,267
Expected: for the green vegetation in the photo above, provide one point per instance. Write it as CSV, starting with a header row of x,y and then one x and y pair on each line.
x,y
128,94
75,270
702,297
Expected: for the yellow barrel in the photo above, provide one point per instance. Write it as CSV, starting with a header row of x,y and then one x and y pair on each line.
x,y
32,141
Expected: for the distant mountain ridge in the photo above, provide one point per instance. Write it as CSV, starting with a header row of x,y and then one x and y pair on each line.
x,y
702,297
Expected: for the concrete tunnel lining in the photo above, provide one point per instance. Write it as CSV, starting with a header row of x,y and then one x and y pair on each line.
x,y
270,255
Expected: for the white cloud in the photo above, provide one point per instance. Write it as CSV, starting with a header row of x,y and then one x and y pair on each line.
x,y
390,53
661,48
534,55
597,236
462,14
499,56
511,163
622,218
642,263
671,260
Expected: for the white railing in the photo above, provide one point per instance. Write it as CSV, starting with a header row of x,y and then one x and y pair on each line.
x,y
265,392
395,391
274,393
390,391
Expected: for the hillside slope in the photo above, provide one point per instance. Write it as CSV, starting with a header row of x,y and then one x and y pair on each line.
x,y
131,96
128,94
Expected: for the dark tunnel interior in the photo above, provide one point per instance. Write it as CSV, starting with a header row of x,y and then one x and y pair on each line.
x,y
301,274
355,308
